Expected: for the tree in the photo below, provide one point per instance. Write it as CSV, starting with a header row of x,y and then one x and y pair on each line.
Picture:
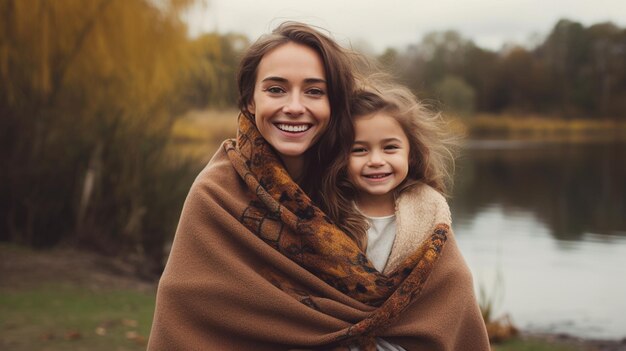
x,y
89,93
456,95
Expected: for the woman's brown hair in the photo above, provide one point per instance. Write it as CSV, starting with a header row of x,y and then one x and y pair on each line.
x,y
340,80
431,151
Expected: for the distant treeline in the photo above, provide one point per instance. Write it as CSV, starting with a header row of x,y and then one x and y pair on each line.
x,y
89,91
576,71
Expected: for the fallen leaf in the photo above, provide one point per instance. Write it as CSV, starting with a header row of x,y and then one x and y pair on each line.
x,y
129,322
46,336
101,331
140,340
72,335
136,337
109,323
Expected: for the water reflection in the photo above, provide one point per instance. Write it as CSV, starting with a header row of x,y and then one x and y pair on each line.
x,y
573,189
550,218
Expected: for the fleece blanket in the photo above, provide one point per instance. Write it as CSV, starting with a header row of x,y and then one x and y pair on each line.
x,y
255,265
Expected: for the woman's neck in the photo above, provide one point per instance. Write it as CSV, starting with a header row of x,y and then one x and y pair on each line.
x,y
376,205
294,166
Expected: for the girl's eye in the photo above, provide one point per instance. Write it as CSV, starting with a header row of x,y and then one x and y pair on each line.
x,y
356,150
392,147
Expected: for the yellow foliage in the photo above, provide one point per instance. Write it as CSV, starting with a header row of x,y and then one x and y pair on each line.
x,y
90,90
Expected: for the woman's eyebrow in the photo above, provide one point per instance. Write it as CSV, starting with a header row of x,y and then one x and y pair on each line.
x,y
284,80
276,79
315,80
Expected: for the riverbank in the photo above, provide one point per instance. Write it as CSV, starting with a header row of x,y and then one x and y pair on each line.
x,y
67,299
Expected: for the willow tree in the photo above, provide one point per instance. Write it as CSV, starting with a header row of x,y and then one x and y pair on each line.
x,y
89,91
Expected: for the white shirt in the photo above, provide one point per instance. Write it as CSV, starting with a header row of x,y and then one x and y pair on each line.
x,y
382,345
380,237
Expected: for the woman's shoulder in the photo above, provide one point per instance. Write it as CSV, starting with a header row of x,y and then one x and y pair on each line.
x,y
219,165
217,176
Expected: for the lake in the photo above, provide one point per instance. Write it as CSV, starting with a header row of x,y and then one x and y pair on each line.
x,y
543,228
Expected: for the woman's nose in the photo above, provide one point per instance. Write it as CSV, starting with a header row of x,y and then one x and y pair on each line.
x,y
294,106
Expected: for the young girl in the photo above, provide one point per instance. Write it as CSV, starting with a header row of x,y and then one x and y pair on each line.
x,y
391,199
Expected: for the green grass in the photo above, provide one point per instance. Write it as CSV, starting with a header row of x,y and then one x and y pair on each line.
x,y
67,318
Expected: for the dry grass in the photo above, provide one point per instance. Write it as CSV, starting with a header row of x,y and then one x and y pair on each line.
x,y
544,127
198,134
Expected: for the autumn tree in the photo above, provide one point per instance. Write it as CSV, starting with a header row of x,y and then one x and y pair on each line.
x,y
89,93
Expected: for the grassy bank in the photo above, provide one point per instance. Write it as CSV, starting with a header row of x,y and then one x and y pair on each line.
x,y
530,344
65,299
67,317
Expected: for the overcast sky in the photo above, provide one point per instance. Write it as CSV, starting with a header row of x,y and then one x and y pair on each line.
x,y
397,23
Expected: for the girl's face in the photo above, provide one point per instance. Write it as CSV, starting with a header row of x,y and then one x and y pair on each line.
x,y
290,101
379,160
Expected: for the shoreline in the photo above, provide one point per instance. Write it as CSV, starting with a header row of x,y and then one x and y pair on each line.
x,y
575,341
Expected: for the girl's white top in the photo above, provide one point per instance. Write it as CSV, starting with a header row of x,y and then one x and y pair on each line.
x,y
380,237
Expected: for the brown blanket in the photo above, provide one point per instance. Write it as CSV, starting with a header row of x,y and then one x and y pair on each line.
x,y
255,266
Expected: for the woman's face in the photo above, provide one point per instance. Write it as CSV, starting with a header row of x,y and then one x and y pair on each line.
x,y
290,101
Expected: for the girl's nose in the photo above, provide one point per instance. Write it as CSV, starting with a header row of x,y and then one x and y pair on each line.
x,y
376,159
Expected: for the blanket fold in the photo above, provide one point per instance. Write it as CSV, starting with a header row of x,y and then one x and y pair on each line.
x,y
256,266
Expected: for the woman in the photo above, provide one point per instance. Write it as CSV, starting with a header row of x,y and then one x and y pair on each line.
x,y
255,265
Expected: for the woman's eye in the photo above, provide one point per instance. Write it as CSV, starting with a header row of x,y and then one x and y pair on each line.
x,y
275,90
316,91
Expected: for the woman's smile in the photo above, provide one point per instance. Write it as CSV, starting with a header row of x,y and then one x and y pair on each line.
x,y
291,128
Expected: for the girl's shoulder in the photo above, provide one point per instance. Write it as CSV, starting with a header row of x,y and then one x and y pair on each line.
x,y
419,209
422,200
